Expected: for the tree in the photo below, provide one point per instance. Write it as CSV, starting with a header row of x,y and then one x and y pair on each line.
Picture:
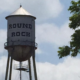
x,y
74,47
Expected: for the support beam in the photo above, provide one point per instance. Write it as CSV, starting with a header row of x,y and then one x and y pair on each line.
x,y
10,74
7,67
29,63
34,65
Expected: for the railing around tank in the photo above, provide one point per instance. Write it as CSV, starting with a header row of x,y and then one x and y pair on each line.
x,y
22,43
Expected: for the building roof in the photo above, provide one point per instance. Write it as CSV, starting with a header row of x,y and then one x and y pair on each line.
x,y
20,11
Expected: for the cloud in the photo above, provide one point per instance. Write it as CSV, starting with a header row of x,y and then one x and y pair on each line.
x,y
50,33
69,69
2,67
42,9
39,51
3,35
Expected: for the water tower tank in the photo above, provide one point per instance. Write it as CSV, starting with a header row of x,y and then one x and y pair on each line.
x,y
20,34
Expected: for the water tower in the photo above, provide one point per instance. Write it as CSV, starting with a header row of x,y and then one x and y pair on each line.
x,y
20,40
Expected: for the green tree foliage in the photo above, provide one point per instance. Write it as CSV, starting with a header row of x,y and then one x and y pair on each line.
x,y
75,18
74,47
64,51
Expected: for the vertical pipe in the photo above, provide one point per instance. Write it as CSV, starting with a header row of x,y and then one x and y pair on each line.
x,y
20,74
20,69
7,67
34,64
10,69
29,63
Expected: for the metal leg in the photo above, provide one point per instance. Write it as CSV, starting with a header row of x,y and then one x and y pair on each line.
x,y
30,77
10,69
34,64
7,67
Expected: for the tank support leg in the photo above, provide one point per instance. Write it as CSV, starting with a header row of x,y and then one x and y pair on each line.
x,y
7,67
10,69
34,65
29,63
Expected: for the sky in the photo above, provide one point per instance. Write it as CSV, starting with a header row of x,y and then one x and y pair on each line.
x,y
52,31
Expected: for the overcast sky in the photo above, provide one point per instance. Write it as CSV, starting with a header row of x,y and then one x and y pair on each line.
x,y
52,31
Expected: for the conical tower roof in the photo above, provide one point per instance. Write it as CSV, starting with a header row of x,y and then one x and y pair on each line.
x,y
20,11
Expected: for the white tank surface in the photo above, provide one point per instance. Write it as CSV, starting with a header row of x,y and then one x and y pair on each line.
x,y
20,34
